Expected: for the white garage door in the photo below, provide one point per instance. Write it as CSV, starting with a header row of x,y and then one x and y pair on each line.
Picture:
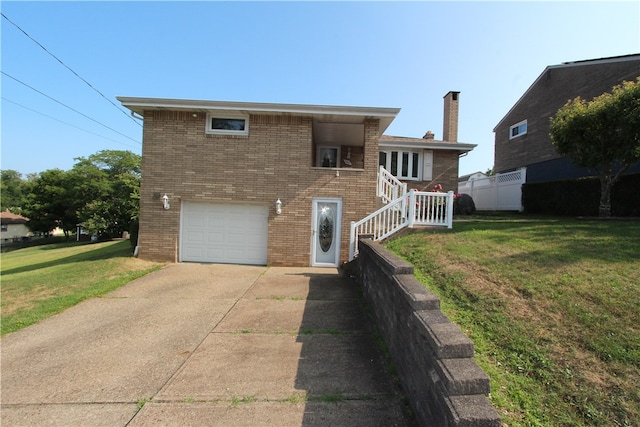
x,y
224,233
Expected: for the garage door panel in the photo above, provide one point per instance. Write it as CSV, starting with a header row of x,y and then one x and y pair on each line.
x,y
224,233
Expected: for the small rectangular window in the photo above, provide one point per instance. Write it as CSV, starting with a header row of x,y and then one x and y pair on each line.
x,y
518,129
4,227
227,124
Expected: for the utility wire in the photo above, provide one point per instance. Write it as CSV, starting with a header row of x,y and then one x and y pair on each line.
x,y
69,68
65,105
63,122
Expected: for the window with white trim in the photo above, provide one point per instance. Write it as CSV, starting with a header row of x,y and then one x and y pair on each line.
x,y
518,129
402,164
227,124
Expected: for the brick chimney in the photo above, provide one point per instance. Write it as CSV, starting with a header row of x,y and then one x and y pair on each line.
x,y
450,125
428,136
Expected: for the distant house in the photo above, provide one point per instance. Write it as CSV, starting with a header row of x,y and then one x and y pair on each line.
x,y
476,176
13,227
274,184
522,136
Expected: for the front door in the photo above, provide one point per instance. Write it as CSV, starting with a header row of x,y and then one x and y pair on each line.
x,y
325,232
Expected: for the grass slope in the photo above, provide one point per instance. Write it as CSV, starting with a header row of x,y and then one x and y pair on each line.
x,y
552,307
41,281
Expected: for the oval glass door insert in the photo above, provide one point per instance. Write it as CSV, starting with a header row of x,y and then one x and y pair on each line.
x,y
326,225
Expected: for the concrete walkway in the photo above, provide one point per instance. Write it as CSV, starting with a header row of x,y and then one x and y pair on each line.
x,y
205,345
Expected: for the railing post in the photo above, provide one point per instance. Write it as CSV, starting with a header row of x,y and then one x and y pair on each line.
x,y
412,207
353,244
450,209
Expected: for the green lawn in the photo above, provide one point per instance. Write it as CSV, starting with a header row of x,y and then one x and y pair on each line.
x,y
40,281
553,307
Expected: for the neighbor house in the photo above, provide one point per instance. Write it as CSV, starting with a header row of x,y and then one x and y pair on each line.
x,y
522,136
272,184
13,227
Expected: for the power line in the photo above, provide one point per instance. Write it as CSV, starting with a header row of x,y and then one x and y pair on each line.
x,y
65,105
63,122
69,68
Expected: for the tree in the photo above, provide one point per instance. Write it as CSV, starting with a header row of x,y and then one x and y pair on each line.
x,y
51,202
112,178
602,134
12,191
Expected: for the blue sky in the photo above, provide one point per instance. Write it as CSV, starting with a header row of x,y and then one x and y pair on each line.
x,y
377,54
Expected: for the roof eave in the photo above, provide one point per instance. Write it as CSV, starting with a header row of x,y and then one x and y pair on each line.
x,y
428,145
566,65
139,105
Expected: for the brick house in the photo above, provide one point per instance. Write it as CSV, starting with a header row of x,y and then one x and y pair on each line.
x,y
270,184
522,136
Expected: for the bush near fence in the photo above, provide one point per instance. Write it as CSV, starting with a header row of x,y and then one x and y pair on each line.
x,y
581,197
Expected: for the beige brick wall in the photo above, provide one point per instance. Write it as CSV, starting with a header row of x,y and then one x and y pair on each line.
x,y
273,161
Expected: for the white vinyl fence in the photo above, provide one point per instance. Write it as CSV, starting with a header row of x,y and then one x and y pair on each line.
x,y
501,192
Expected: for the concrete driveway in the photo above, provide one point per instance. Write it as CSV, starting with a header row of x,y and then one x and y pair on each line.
x,y
205,345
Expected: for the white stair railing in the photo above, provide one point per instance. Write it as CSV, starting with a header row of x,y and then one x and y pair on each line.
x,y
417,208
389,187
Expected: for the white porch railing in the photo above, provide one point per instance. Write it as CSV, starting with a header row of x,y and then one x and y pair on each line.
x,y
416,208
390,188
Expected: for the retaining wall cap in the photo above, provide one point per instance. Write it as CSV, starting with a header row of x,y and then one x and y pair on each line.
x,y
394,264
472,411
419,297
462,376
446,339
432,316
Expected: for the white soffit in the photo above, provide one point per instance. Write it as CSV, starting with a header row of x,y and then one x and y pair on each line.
x,y
331,133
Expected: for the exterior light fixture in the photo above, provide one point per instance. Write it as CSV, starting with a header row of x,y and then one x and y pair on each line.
x,y
278,207
165,202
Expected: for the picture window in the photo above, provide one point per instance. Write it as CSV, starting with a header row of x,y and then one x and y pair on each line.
x,y
223,124
401,164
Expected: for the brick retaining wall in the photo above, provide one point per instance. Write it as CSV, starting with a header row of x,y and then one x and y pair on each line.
x,y
433,357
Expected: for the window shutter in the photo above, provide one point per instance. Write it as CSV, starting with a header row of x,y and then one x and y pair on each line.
x,y
427,165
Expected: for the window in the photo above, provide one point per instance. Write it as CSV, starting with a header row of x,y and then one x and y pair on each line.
x,y
4,227
327,157
227,124
518,129
401,164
